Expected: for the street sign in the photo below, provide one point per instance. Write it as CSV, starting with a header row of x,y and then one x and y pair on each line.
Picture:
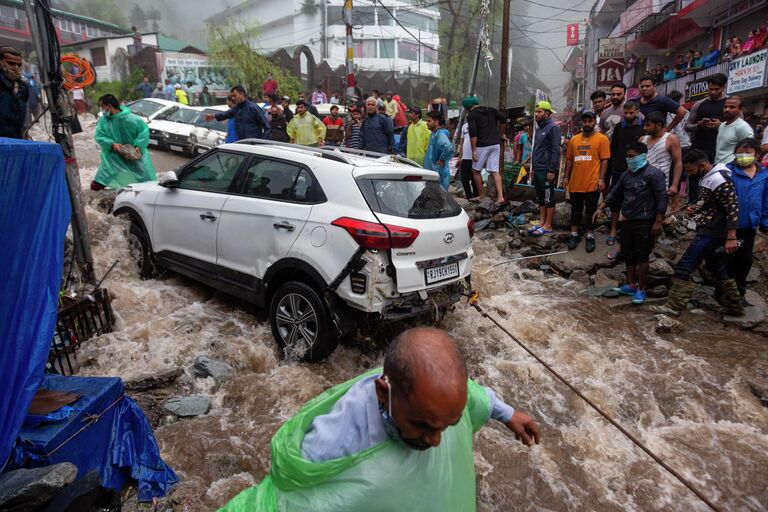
x,y
572,36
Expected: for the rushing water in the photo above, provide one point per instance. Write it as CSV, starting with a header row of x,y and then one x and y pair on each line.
x,y
683,395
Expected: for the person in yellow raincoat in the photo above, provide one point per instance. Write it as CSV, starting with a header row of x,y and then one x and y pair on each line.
x,y
393,439
304,128
181,95
123,138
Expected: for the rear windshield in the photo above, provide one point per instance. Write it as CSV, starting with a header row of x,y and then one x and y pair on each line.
x,y
409,199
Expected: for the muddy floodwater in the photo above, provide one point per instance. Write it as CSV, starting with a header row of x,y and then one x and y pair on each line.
x,y
684,395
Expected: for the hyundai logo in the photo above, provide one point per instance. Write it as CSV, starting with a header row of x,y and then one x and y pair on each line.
x,y
448,238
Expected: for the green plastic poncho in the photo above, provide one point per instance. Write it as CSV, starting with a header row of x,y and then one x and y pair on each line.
x,y
124,127
385,477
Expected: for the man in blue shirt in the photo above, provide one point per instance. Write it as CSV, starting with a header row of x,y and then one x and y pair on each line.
x,y
751,182
439,149
250,121
170,91
378,131
145,88
545,164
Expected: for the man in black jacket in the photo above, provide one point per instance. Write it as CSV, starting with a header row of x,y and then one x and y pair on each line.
x,y
641,196
14,94
625,133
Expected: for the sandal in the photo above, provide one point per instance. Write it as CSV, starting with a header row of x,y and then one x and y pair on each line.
x,y
540,231
611,240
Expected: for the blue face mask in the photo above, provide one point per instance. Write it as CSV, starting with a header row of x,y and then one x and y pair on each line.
x,y
636,163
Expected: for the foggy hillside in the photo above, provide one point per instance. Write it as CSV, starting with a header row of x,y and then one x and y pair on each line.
x,y
183,19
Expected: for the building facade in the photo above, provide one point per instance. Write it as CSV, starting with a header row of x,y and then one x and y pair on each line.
x,y
380,44
658,34
70,27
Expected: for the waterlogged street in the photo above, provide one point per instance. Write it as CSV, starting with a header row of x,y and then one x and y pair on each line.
x,y
684,395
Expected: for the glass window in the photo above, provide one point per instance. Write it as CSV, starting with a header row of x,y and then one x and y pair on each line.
x,y
184,115
384,17
145,107
167,114
417,21
365,49
364,16
409,199
428,55
334,15
220,126
271,179
407,51
386,48
213,173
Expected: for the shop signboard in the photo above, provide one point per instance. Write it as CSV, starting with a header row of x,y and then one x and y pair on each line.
x,y
747,72
572,36
610,61
697,89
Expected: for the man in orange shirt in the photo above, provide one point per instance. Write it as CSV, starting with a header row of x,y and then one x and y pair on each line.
x,y
585,167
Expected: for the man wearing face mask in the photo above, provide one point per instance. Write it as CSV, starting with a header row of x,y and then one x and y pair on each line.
x,y
14,94
400,438
641,196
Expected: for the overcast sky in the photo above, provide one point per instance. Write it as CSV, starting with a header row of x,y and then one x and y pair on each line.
x,y
545,28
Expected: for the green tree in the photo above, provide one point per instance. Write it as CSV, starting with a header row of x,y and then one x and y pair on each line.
x,y
230,44
154,15
106,10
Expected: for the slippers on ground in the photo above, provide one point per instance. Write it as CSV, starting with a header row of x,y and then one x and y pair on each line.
x,y
611,240
540,231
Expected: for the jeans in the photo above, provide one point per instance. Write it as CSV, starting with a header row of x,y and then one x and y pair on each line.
x,y
581,201
703,248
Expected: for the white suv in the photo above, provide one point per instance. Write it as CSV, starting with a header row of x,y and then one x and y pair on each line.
x,y
326,240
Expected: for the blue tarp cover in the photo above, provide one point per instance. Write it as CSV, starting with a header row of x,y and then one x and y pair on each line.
x,y
107,432
34,215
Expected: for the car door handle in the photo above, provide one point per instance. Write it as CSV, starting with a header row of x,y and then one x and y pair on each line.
x,y
208,216
284,225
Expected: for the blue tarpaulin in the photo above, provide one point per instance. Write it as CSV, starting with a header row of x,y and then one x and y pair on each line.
x,y
34,215
106,432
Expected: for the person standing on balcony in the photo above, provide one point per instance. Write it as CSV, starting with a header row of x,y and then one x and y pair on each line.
x,y
712,58
652,101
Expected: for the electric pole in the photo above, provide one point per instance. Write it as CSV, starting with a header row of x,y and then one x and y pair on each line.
x,y
504,71
347,16
46,47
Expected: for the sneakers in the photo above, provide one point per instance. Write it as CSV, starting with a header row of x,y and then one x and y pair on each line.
x,y
573,241
589,245
627,289
639,297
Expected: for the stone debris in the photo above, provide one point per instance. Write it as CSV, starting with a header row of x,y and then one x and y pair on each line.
x,y
188,406
155,381
30,489
666,324
204,366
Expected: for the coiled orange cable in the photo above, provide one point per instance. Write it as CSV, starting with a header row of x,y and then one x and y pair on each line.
x,y
77,71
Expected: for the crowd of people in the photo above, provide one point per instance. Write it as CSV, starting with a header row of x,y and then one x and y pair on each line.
x,y
696,60
641,156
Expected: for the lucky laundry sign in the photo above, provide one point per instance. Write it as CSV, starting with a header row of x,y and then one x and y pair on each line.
x,y
747,72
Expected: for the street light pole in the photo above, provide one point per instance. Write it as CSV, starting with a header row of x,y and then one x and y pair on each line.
x,y
39,19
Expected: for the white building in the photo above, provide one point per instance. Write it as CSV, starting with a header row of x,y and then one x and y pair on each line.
x,y
380,43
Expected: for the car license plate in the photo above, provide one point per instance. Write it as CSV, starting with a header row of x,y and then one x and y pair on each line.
x,y
153,142
436,274
176,148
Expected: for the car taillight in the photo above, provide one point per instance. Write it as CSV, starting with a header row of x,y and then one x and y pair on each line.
x,y
371,235
471,227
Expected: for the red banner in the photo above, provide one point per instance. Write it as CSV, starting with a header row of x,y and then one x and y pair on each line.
x,y
573,34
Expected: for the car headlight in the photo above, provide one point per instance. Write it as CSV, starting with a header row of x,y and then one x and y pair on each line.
x,y
193,138
220,140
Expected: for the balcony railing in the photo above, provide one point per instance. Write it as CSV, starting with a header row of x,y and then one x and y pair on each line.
x,y
679,84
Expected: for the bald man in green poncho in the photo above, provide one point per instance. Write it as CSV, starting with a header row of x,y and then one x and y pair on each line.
x,y
123,138
397,439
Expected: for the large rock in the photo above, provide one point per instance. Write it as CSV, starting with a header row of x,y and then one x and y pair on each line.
x,y
562,217
666,324
29,489
579,259
754,274
661,268
206,367
154,381
486,206
580,277
753,315
757,380
188,406
602,280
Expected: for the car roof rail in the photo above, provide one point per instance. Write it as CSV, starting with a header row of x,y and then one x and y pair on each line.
x,y
371,154
334,152
319,151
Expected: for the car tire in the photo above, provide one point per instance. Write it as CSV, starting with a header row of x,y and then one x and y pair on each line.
x,y
301,323
141,251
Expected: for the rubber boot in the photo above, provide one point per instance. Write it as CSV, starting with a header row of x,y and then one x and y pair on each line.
x,y
679,296
731,299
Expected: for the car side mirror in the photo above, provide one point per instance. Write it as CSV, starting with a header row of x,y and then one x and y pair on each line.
x,y
168,180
